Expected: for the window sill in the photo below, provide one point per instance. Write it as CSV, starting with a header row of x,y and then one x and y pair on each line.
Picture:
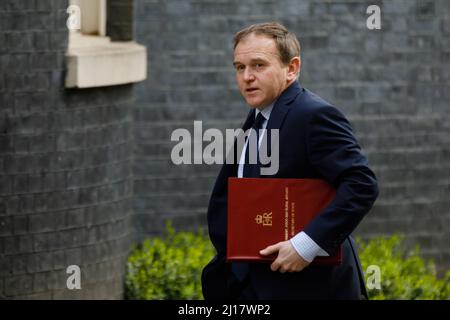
x,y
94,61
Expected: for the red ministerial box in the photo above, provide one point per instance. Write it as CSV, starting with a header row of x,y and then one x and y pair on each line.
x,y
264,211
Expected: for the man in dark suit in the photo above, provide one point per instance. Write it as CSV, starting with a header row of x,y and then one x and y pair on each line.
x,y
315,141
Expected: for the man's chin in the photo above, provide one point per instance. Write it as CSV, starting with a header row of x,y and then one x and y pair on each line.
x,y
253,103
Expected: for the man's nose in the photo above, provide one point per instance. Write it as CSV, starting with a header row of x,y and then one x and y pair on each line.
x,y
248,75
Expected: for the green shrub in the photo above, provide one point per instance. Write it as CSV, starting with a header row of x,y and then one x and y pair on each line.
x,y
404,275
168,267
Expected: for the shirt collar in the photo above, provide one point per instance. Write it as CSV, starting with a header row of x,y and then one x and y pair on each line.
x,y
265,111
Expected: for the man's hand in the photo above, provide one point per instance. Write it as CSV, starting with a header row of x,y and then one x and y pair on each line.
x,y
288,260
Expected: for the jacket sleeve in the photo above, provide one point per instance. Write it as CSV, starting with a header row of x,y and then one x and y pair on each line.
x,y
334,152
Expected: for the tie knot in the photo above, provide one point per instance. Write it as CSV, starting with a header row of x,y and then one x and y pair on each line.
x,y
258,121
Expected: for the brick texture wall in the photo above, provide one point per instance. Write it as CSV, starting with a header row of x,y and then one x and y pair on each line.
x,y
393,84
119,23
65,165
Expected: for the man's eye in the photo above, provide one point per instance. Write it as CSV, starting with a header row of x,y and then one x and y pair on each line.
x,y
240,68
259,65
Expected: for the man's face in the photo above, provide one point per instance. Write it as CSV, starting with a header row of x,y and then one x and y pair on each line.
x,y
260,75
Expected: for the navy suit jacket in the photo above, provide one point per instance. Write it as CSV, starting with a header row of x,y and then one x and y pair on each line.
x,y
315,141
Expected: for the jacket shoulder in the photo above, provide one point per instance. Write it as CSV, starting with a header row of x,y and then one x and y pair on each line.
x,y
308,104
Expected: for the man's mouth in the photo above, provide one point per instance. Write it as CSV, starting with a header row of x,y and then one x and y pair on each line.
x,y
250,90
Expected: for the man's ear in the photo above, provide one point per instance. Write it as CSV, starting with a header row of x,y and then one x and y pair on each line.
x,y
294,68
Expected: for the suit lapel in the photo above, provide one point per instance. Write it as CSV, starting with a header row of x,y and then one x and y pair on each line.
x,y
282,106
248,122
279,112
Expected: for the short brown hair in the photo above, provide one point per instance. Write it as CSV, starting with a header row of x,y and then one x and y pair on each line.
x,y
287,43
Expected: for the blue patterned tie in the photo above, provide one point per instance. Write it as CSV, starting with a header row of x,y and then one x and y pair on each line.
x,y
252,170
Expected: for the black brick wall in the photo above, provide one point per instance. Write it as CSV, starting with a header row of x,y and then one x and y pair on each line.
x,y
65,165
392,83
119,24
